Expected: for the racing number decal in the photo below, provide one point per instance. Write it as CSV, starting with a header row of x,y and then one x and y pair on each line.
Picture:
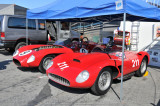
x,y
62,65
135,62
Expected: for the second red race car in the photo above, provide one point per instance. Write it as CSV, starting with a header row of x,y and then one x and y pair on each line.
x,y
40,55
96,70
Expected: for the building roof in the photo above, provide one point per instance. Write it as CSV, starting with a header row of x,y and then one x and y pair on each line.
x,y
12,9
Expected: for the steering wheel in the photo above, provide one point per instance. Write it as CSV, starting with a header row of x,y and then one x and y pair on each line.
x,y
74,44
97,49
84,42
108,48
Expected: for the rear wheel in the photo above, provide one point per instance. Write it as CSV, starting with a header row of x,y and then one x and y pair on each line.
x,y
11,50
19,45
45,61
103,82
143,67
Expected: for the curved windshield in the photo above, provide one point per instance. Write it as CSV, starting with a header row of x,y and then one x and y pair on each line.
x,y
59,42
107,49
63,42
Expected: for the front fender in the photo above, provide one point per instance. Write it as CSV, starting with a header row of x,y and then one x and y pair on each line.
x,y
96,68
39,55
29,47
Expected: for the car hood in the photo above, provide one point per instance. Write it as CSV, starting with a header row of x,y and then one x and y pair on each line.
x,y
77,61
70,65
36,48
29,47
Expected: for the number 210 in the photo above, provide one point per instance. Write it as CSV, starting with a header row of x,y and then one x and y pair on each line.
x,y
135,62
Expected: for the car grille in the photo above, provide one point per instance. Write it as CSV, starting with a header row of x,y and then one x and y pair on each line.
x,y
47,47
59,79
16,62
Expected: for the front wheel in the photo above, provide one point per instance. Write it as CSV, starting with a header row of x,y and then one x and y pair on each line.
x,y
45,61
103,82
143,67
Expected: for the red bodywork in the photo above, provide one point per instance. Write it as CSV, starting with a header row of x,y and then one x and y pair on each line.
x,y
67,67
40,51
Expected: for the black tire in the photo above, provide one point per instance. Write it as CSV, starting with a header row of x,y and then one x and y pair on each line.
x,y
10,50
19,45
96,89
44,62
142,69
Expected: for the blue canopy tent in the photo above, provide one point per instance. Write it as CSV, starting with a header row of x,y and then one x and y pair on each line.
x,y
107,10
98,10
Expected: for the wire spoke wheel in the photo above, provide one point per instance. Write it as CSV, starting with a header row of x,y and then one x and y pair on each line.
x,y
143,66
46,62
104,80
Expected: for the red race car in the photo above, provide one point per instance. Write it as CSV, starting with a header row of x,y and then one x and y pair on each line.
x,y
40,55
118,38
96,70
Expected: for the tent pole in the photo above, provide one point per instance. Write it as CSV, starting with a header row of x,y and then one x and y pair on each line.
x,y
80,28
124,27
83,28
26,31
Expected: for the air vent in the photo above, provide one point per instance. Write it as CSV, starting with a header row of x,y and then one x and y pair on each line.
x,y
76,60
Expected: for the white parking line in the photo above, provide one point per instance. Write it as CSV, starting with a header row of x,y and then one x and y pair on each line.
x,y
8,59
42,76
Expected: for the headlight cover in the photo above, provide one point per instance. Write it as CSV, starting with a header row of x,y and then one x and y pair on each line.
x,y
31,59
49,65
15,53
83,76
25,52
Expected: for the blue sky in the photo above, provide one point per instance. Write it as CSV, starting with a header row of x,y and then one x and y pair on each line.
x,y
27,3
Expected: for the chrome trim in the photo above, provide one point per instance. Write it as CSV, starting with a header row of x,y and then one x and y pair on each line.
x,y
59,79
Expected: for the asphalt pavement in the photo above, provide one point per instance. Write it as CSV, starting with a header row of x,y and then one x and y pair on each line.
x,y
29,87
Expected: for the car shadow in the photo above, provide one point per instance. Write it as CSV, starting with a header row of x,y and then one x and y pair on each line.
x,y
81,91
158,104
116,81
115,93
68,89
3,64
5,53
28,69
153,67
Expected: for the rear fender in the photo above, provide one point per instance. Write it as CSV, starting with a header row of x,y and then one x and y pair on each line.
x,y
143,54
